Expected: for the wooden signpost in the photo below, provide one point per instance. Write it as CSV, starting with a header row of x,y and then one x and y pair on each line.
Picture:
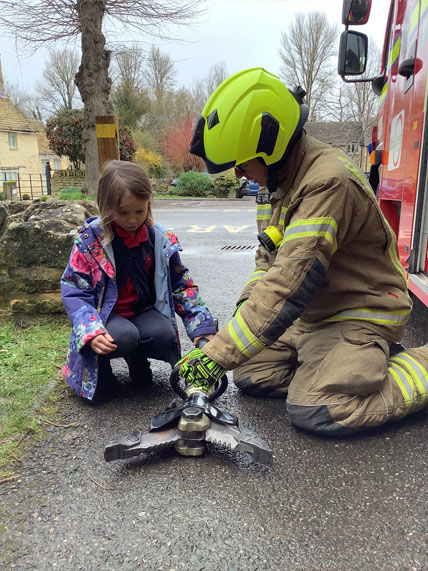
x,y
107,130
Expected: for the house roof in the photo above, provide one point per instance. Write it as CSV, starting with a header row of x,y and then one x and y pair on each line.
x,y
11,119
336,133
42,140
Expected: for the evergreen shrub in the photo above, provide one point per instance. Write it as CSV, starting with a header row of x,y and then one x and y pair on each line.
x,y
225,184
192,183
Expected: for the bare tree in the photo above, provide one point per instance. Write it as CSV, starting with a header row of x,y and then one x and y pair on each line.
x,y
27,104
40,22
159,76
127,66
19,98
216,74
203,88
181,106
176,107
160,73
306,50
59,90
129,97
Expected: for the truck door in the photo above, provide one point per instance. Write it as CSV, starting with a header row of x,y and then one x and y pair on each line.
x,y
419,240
404,128
404,167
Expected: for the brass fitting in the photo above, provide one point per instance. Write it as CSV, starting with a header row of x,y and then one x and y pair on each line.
x,y
193,420
191,427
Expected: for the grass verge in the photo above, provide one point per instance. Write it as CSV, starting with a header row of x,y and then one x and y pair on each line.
x,y
31,358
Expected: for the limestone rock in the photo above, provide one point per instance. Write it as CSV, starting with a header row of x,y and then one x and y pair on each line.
x,y
42,304
16,207
34,249
3,217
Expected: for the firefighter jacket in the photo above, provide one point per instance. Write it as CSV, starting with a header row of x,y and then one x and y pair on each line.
x,y
337,261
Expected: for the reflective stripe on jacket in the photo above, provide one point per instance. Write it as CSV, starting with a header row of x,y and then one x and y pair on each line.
x,y
338,258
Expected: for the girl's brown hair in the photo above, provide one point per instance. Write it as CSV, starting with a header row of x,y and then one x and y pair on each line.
x,y
119,178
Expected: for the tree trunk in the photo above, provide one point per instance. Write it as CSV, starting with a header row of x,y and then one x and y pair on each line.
x,y
93,81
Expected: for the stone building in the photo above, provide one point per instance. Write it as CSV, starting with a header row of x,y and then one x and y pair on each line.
x,y
348,136
24,151
46,155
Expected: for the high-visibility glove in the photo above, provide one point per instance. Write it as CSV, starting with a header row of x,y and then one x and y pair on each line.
x,y
199,370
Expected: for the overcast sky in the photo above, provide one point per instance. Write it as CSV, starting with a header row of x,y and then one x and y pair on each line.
x,y
242,33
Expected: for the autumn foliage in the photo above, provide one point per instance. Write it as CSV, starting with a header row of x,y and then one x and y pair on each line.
x,y
150,160
176,147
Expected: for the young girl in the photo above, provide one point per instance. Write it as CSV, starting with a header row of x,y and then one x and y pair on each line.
x,y
122,286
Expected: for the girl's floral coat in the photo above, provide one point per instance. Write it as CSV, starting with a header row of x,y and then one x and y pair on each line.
x,y
89,292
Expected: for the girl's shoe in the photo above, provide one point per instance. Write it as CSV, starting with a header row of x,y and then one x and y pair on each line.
x,y
107,385
140,372
106,389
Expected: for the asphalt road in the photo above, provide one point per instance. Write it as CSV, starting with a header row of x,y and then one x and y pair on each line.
x,y
354,503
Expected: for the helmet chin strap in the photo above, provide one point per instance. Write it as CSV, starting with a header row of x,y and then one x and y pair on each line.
x,y
273,170
272,181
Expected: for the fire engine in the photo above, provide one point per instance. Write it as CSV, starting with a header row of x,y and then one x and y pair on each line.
x,y
399,147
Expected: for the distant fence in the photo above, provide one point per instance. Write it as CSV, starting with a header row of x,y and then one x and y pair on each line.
x,y
26,186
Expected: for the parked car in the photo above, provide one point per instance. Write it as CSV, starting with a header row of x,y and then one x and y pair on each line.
x,y
247,188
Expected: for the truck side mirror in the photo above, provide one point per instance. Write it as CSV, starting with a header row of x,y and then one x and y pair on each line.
x,y
356,12
377,84
352,53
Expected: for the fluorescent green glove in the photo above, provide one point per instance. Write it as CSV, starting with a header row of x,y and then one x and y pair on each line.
x,y
199,370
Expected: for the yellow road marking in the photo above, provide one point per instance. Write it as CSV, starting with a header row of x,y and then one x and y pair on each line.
x,y
234,230
201,229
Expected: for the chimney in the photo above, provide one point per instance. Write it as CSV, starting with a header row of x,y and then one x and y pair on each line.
x,y
1,82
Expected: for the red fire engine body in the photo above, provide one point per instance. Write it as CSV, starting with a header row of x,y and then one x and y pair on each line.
x,y
400,139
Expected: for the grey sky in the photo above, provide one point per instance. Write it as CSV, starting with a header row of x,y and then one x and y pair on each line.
x,y
242,33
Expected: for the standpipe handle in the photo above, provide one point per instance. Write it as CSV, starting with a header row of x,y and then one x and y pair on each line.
x,y
174,380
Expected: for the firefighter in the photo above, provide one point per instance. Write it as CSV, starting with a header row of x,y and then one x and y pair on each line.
x,y
319,319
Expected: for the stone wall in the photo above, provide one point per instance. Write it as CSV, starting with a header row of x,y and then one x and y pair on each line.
x,y
65,178
35,243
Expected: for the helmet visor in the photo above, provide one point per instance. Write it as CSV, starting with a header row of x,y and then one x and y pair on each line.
x,y
213,168
197,147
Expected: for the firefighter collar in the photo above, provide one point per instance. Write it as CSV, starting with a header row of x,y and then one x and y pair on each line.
x,y
288,172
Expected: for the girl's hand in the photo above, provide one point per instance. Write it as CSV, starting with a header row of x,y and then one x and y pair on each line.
x,y
196,339
103,344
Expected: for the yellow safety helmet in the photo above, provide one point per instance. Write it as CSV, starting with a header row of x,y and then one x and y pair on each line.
x,y
251,114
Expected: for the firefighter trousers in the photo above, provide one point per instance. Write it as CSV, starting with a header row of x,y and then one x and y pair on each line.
x,y
338,378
